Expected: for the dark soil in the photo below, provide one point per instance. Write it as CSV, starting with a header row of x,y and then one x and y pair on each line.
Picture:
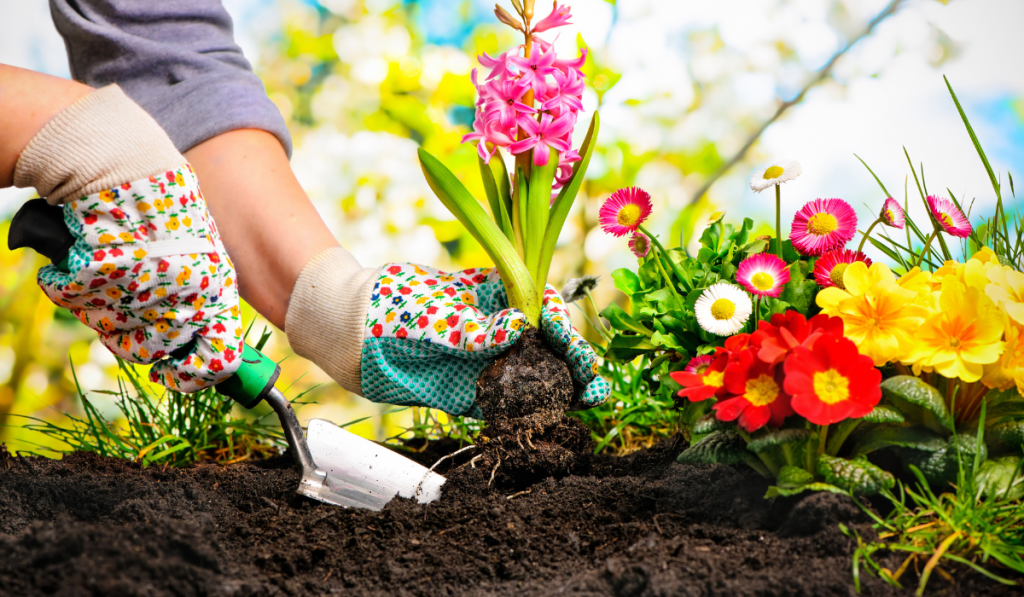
x,y
635,526
523,395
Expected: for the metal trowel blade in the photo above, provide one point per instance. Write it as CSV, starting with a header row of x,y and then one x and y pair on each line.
x,y
361,473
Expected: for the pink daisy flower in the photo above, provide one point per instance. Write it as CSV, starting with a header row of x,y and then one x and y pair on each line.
x,y
949,216
830,267
624,211
640,244
892,214
822,225
763,275
699,365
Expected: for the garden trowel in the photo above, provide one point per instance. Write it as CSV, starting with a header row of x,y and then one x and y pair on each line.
x,y
338,467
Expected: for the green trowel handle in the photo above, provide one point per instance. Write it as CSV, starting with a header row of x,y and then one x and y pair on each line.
x,y
253,380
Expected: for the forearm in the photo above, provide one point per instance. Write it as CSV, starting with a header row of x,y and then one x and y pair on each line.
x,y
269,226
28,100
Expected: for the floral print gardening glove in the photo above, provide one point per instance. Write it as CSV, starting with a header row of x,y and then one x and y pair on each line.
x,y
429,335
149,273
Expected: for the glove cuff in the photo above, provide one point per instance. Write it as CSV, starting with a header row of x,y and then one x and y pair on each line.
x,y
326,316
96,143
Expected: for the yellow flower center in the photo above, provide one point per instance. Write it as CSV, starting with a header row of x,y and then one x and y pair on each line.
x,y
715,379
831,387
836,275
762,281
773,172
954,342
889,217
761,390
946,220
629,215
723,309
821,224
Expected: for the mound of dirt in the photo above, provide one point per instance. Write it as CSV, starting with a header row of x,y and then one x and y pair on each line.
x,y
635,526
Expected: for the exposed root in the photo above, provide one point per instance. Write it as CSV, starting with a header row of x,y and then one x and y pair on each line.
x,y
495,471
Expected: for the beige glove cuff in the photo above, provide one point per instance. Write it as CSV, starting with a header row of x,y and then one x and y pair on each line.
x,y
326,316
96,143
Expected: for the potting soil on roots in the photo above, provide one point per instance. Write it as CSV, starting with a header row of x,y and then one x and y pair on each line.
x,y
640,525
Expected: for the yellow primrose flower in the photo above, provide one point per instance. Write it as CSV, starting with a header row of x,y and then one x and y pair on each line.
x,y
878,315
1007,291
962,336
986,255
1008,371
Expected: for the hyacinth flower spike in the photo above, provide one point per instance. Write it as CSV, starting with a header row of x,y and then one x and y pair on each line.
x,y
559,16
549,132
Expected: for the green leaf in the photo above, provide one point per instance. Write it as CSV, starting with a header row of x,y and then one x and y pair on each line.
x,y
883,414
722,447
626,281
519,285
563,202
1009,408
917,400
963,448
707,424
775,491
1001,478
778,438
498,194
538,210
626,348
974,140
874,175
793,476
858,476
621,320
917,437
1010,433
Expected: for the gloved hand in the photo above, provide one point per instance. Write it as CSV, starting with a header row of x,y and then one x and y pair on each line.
x,y
430,334
147,269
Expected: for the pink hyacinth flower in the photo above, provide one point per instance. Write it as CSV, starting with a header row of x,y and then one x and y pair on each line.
x,y
624,211
763,274
535,68
565,162
893,214
566,95
559,16
503,101
499,66
830,267
823,225
549,132
949,216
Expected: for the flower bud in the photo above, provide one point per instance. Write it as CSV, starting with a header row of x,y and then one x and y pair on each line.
x,y
518,6
528,10
508,19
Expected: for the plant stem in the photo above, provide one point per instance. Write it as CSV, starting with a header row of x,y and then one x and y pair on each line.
x,y
925,249
604,331
671,264
860,247
778,220
822,438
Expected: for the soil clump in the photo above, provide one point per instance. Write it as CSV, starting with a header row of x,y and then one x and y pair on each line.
x,y
523,396
635,526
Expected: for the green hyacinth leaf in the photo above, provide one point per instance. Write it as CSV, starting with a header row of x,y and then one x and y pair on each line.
x,y
859,477
884,414
917,400
718,447
778,438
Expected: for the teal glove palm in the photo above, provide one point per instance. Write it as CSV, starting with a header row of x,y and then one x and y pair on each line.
x,y
430,334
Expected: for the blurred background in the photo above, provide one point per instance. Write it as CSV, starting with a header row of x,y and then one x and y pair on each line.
x,y
693,97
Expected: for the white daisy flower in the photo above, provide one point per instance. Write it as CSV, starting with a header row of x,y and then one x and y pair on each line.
x,y
777,173
722,309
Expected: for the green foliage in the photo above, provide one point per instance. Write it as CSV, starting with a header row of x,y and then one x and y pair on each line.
x,y
918,401
858,476
718,447
173,429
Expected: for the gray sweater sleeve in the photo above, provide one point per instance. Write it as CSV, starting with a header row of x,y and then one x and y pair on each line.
x,y
176,58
